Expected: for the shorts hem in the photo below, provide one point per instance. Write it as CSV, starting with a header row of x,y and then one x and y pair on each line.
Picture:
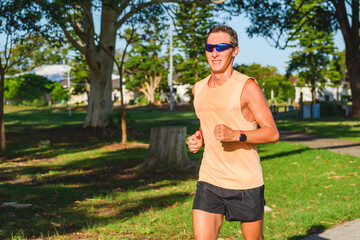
x,y
208,211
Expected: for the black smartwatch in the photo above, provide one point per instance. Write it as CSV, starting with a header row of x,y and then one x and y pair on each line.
x,y
242,137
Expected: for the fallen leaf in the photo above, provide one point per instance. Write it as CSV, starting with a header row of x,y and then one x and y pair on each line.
x,y
335,177
56,224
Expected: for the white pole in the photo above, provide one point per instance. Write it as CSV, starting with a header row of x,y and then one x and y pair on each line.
x,y
69,93
171,64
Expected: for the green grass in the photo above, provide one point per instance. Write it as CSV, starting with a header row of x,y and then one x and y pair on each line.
x,y
334,127
79,190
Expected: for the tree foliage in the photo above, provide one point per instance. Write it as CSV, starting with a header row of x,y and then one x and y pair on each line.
x,y
18,20
76,21
269,80
30,89
145,66
79,75
312,62
281,20
46,51
192,25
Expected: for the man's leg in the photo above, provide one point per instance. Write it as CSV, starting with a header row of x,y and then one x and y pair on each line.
x,y
206,225
253,230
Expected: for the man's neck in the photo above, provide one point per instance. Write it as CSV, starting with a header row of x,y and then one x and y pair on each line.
x,y
218,79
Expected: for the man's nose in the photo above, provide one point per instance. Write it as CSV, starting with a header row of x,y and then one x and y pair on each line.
x,y
214,53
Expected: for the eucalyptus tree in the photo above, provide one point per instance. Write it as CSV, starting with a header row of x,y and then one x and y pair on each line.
x,y
280,20
77,21
19,23
145,66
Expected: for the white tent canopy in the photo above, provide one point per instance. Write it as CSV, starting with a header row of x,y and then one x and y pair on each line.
x,y
54,72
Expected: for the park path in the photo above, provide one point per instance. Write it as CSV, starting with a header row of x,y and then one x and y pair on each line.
x,y
317,142
345,231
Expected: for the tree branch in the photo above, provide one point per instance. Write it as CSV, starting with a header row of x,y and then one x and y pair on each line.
x,y
77,45
136,8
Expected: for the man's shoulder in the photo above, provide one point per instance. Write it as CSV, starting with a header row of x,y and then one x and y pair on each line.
x,y
203,81
240,76
200,84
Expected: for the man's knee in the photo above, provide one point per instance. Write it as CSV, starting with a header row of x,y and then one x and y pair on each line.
x,y
253,230
261,237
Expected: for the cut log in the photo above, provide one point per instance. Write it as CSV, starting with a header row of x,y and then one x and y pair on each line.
x,y
167,151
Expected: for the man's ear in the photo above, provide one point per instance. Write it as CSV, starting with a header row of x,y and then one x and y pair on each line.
x,y
236,51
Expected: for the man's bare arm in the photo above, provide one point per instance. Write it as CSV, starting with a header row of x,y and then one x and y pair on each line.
x,y
259,111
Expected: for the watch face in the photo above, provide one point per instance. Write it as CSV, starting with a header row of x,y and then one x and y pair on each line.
x,y
243,138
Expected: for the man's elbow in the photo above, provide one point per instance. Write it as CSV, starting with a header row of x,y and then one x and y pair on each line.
x,y
275,137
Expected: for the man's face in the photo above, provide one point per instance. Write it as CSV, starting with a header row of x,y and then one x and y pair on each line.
x,y
220,61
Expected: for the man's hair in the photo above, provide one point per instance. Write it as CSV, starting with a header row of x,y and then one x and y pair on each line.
x,y
225,29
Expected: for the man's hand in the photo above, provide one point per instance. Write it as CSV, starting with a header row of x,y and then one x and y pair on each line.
x,y
195,142
225,134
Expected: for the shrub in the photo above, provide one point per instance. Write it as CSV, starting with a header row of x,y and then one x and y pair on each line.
x,y
31,90
328,109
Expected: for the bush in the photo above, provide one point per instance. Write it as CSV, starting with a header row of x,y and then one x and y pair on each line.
x,y
328,109
31,90
58,93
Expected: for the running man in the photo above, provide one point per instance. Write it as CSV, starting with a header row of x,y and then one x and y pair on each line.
x,y
230,106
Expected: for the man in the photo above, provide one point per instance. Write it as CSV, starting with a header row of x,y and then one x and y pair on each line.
x,y
230,106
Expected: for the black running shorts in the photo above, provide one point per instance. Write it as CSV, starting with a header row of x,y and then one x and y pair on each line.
x,y
237,205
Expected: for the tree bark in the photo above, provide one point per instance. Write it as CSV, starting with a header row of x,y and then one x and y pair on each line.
x,y
167,151
100,105
100,60
354,75
2,121
313,97
148,88
123,123
350,33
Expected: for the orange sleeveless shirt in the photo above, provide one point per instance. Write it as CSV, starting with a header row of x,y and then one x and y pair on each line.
x,y
231,165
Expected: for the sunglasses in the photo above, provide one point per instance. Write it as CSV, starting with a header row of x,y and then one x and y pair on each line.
x,y
219,47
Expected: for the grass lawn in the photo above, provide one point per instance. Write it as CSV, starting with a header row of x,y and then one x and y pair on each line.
x,y
75,180
334,127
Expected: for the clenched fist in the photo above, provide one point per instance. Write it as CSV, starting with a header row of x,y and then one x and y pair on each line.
x,y
195,142
225,134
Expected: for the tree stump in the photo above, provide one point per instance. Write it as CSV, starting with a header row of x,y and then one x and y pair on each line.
x,y
167,151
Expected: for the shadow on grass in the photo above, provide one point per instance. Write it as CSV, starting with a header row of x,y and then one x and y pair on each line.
x,y
69,195
314,231
62,200
334,127
281,154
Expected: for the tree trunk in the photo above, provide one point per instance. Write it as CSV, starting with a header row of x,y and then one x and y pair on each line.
x,y
313,96
100,60
99,104
167,151
123,123
354,75
2,121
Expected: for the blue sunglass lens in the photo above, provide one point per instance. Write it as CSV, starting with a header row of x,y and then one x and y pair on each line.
x,y
219,47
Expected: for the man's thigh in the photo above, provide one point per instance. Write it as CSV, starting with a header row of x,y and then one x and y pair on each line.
x,y
253,230
206,225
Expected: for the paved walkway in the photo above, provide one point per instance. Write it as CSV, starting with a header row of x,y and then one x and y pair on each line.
x,y
318,142
348,230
